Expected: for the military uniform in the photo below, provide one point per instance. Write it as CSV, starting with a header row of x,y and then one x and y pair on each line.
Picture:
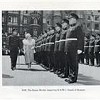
x,y
48,51
74,42
97,51
14,46
61,50
91,51
56,52
51,50
86,50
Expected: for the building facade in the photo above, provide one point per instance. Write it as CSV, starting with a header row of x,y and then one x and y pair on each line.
x,y
23,21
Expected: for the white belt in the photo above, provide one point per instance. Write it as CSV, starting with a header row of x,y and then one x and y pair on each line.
x,y
97,45
50,43
86,46
68,39
57,41
91,46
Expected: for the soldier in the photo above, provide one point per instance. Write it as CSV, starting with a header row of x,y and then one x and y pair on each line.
x,y
56,48
86,50
14,46
97,50
73,46
91,50
65,26
51,48
47,49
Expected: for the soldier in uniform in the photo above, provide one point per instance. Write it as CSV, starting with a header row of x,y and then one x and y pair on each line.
x,y
14,46
47,49
65,25
51,48
73,46
91,50
58,27
86,50
97,50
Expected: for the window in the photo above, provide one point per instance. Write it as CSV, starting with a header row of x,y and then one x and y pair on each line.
x,y
10,19
25,20
96,18
89,26
96,27
35,21
10,30
15,20
88,18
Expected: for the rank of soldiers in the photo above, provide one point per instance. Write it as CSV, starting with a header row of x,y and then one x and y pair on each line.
x,y
60,48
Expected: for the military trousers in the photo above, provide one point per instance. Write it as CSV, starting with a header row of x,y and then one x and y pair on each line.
x,y
97,56
72,64
91,58
13,56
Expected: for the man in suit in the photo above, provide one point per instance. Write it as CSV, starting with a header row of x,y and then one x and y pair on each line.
x,y
14,46
91,50
73,46
97,50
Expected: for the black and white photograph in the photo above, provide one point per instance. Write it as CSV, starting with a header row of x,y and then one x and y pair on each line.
x,y
50,47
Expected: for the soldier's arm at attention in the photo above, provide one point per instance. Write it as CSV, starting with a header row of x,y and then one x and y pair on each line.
x,y
80,37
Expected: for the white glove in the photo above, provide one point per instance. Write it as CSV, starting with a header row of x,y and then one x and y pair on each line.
x,y
32,48
79,51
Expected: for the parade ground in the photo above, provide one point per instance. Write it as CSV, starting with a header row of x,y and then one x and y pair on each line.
x,y
39,76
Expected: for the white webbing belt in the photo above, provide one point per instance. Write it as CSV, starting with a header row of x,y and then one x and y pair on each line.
x,y
68,39
97,45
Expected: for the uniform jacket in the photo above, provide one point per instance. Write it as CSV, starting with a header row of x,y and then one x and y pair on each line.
x,y
97,46
91,46
52,40
62,43
14,42
86,45
77,44
57,38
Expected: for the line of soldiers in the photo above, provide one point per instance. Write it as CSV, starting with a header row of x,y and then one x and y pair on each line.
x,y
92,50
57,48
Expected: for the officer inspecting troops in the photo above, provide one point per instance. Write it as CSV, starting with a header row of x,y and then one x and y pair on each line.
x,y
97,50
73,46
14,47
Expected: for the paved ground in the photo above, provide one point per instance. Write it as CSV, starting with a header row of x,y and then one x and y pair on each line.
x,y
38,76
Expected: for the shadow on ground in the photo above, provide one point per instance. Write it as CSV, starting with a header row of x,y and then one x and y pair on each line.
x,y
6,76
87,80
25,69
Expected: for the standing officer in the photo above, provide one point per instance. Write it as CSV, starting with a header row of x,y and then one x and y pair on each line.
x,y
58,27
91,50
65,26
14,46
86,49
97,50
73,46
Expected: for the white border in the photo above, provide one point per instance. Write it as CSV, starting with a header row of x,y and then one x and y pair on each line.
x,y
15,92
